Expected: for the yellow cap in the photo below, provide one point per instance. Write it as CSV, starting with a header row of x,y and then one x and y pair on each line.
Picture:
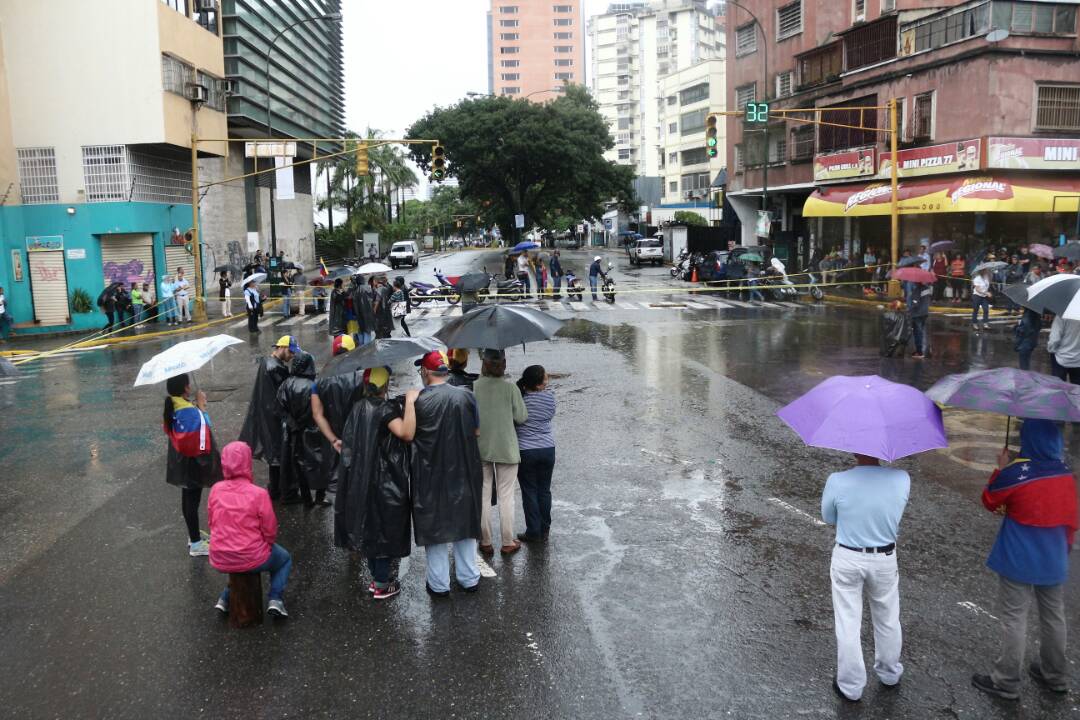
x,y
377,376
459,355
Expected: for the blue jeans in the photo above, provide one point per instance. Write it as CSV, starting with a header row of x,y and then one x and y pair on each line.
x,y
138,314
557,280
279,565
1025,358
380,570
978,301
286,308
534,477
524,278
438,564
168,309
363,338
918,331
592,285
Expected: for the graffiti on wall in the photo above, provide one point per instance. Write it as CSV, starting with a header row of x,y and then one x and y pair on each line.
x,y
133,271
237,256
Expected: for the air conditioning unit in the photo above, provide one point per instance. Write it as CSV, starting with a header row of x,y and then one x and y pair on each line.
x,y
230,87
206,5
197,93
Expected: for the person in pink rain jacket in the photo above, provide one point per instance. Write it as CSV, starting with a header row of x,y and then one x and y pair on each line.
x,y
243,528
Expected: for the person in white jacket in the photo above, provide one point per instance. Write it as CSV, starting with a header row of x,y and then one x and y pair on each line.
x,y
1064,346
980,297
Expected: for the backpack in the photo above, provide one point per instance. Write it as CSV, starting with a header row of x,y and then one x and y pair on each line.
x,y
189,433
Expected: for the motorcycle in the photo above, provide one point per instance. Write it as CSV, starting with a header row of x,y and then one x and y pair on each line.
x,y
682,264
421,292
574,288
608,286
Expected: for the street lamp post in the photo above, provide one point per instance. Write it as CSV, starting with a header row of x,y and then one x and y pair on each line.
x,y
765,90
333,17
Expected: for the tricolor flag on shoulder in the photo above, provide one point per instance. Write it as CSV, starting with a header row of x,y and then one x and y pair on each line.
x,y
322,268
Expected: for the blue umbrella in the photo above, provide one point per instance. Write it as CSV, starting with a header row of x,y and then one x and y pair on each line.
x,y
525,245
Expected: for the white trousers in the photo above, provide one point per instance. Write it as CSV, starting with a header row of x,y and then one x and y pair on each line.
x,y
851,571
504,477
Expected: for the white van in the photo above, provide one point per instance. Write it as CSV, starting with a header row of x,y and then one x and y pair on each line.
x,y
404,253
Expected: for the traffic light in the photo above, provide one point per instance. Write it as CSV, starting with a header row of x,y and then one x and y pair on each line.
x,y
361,159
438,162
712,136
757,113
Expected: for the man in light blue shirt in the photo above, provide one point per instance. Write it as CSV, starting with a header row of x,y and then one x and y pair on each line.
x,y
865,504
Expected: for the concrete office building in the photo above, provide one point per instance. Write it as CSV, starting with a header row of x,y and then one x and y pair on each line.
x,y
534,47
95,147
635,45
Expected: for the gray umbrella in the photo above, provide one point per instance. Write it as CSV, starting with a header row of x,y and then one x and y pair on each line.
x,y
498,326
384,351
989,266
1070,252
912,261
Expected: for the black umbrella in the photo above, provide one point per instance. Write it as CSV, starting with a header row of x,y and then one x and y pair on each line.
x,y
234,270
1055,294
910,261
1018,293
385,351
498,326
1070,252
109,288
473,282
7,369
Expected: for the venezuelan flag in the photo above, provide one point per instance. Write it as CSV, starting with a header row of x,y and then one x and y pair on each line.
x,y
322,268
189,431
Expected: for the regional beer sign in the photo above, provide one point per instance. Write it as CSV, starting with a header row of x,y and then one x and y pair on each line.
x,y
1009,153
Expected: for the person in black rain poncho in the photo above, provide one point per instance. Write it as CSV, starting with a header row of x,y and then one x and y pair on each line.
x,y
372,509
337,309
302,446
364,306
262,426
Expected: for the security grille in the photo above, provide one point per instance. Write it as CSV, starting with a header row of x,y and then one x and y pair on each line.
x,y
105,173
924,116
802,143
176,75
778,149
215,91
784,83
1058,107
155,179
746,39
37,175
745,94
789,20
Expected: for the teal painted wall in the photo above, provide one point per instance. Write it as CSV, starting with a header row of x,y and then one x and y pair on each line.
x,y
80,232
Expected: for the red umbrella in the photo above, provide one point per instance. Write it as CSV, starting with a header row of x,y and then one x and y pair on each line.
x,y
913,274
1043,251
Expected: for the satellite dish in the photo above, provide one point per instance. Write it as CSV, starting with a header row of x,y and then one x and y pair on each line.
x,y
996,35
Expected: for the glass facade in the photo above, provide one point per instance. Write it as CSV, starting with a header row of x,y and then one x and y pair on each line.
x,y
306,71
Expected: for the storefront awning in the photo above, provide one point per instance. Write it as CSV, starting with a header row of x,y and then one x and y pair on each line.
x,y
998,192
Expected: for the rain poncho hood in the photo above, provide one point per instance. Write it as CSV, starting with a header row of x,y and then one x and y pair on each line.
x,y
262,426
1040,440
236,462
303,365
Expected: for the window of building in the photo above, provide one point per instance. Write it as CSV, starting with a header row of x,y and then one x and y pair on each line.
x,y
176,75
509,50
564,49
563,22
841,138
693,94
871,43
564,62
777,148
673,186
673,128
508,36
564,76
671,100
789,20
1046,18
510,76
953,26
745,94
821,65
508,9
564,36
511,90
694,156
923,119
858,10
563,8
509,63
802,143
624,123
693,121
215,91
888,5
180,6
785,82
508,23
694,182
745,39
1057,107
105,173
673,158
37,175
207,18
624,153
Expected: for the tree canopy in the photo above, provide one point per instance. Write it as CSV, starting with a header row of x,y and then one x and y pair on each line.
x,y
686,217
544,161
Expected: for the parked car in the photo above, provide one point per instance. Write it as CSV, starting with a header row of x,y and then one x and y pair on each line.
x,y
404,253
645,250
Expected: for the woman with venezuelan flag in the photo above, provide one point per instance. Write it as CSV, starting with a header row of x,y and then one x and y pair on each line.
x,y
193,460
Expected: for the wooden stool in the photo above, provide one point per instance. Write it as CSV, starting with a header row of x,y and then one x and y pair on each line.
x,y
245,599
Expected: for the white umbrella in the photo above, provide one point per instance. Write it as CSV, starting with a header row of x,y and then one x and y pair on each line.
x,y
253,277
372,269
181,358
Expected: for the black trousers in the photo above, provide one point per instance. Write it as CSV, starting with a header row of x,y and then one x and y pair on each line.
x,y
404,327
189,506
253,320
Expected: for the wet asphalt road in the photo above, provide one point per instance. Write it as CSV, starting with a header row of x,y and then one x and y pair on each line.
x,y
687,574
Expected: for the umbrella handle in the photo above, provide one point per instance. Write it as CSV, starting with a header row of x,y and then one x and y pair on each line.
x,y
1008,424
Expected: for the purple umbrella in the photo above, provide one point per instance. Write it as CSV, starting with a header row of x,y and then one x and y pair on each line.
x,y
941,246
1012,392
867,415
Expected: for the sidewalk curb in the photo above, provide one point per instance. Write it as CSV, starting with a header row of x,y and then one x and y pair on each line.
x,y
935,309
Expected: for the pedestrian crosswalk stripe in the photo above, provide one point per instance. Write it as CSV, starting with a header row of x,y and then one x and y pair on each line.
x,y
699,306
603,306
318,319
626,306
241,323
790,305
739,303
579,306
291,320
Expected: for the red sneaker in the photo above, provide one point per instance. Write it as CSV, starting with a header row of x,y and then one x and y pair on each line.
x,y
392,589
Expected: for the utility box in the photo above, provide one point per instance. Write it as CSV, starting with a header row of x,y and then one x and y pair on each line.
x,y
429,242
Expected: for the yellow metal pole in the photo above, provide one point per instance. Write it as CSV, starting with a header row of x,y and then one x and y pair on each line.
x,y
894,219
196,235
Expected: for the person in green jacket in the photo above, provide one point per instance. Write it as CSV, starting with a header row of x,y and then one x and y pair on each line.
x,y
501,408
136,304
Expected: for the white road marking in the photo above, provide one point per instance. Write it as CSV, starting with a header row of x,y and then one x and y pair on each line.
x,y
791,508
485,569
579,306
665,456
242,323
797,306
317,320
603,306
700,306
626,305
968,605
291,320
739,303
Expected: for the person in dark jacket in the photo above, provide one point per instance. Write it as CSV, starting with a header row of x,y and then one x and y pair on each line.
x,y
895,329
302,446
124,308
384,319
919,311
336,321
107,303
193,460
372,513
262,425
364,306
555,264
595,271
1026,334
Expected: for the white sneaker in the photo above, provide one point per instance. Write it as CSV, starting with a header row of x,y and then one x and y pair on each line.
x,y
221,607
277,607
198,549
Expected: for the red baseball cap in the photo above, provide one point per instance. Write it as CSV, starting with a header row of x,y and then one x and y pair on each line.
x,y
435,361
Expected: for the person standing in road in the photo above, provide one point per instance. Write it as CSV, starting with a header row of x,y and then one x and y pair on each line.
x,y
5,318
1026,335
555,265
364,305
180,296
251,305
336,318
1036,492
225,294
107,303
447,480
1064,347
865,504
919,311
400,304
501,409
302,446
384,316
244,529
523,273
123,306
537,444
595,271
286,293
149,302
924,254
262,428
193,461
980,298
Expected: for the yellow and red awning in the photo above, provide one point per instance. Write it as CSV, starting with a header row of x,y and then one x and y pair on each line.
x,y
969,193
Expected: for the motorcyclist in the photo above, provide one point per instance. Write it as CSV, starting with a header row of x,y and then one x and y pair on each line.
x,y
595,271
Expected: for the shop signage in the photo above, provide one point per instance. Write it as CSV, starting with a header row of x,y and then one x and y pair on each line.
x,y
42,243
953,157
842,165
1011,153
76,254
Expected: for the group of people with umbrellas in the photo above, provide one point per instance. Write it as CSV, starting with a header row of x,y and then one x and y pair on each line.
x,y
1034,490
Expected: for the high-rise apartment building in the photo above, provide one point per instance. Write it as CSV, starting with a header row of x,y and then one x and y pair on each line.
x,y
635,45
535,47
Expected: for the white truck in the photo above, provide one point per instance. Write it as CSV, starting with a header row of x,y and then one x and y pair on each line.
x,y
644,250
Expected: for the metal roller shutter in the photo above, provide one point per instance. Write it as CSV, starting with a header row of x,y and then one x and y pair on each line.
x,y
178,256
48,287
128,259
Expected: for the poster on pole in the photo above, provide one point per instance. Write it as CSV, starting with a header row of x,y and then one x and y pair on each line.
x,y
763,225
284,178
519,221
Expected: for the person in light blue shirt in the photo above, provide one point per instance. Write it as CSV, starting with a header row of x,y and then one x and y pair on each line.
x,y
865,504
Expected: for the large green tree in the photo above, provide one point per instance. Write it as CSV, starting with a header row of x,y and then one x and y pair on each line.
x,y
544,161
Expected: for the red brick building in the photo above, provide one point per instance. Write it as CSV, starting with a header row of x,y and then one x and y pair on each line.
x,y
989,125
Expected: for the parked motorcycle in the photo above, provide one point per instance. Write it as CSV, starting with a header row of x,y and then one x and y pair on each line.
x,y
421,292
608,286
682,264
574,288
